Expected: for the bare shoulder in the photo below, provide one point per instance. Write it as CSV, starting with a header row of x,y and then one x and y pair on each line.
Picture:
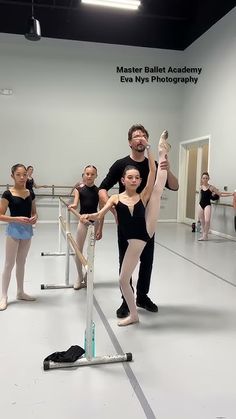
x,y
114,199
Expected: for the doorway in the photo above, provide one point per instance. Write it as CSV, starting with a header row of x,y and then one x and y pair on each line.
x,y
194,159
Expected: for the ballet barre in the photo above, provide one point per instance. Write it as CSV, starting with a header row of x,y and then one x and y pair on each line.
x,y
64,229
61,232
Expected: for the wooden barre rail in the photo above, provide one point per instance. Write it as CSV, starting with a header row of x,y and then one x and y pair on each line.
x,y
76,213
222,205
72,242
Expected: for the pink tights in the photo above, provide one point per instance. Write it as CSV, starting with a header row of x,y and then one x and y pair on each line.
x,y
135,247
16,253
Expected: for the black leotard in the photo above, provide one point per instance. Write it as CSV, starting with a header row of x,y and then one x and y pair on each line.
x,y
206,197
18,206
29,184
132,226
88,199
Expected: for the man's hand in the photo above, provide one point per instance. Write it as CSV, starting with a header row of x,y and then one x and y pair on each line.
x,y
165,165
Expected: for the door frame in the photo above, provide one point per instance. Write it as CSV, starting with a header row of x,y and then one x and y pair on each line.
x,y
183,170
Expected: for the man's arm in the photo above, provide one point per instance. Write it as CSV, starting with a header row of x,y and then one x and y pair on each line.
x,y
172,181
103,196
111,179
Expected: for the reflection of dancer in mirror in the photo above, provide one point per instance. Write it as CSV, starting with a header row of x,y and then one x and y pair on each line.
x,y
208,193
23,216
85,194
137,216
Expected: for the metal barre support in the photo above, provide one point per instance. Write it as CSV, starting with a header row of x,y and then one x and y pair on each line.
x,y
89,359
106,359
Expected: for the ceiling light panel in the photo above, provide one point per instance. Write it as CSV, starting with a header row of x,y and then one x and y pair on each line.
x,y
119,4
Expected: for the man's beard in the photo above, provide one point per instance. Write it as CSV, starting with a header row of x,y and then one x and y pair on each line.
x,y
140,148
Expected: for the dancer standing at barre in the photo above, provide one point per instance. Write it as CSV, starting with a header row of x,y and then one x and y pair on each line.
x,y
23,216
85,194
137,217
30,183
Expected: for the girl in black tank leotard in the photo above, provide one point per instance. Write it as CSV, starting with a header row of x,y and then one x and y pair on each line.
x,y
137,216
207,193
85,194
133,226
21,204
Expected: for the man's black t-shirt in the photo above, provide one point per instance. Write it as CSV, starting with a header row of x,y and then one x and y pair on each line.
x,y
117,169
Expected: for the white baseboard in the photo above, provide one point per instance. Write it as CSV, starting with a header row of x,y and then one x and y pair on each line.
x,y
226,236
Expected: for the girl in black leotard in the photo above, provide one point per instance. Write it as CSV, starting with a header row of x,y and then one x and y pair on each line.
x,y
207,193
85,194
137,216
30,183
23,216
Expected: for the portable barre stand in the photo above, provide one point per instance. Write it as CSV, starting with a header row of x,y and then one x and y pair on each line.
x,y
88,359
64,230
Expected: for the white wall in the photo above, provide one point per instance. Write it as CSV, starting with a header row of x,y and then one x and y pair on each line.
x,y
210,108
69,109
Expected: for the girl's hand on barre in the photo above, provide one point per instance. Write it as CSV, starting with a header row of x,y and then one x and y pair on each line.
x,y
84,221
89,217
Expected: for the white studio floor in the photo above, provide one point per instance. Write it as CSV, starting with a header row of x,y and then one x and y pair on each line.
x,y
184,356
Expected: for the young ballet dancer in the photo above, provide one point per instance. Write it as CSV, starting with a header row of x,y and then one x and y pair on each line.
x,y
137,216
30,183
21,204
208,193
85,194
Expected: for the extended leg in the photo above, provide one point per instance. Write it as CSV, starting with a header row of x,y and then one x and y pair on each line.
x,y
153,207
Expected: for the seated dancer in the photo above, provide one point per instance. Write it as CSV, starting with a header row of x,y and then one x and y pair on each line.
x,y
208,193
21,203
137,216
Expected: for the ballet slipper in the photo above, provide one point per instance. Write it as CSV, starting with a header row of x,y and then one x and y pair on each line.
x,y
85,279
128,320
163,144
25,297
203,239
77,284
3,303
